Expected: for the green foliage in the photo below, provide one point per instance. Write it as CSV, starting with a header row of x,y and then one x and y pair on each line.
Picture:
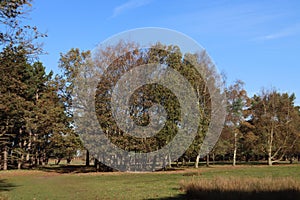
x,y
276,122
32,114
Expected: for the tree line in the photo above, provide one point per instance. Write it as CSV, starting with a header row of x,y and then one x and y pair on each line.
x,y
33,123
37,110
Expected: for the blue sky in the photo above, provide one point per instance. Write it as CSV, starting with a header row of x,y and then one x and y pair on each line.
x,y
256,41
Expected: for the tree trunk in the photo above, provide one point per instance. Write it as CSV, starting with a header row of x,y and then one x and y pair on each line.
x,y
164,163
207,160
235,149
20,161
87,158
170,161
29,146
5,154
270,143
197,161
36,159
96,165
154,163
270,163
291,159
44,159
28,157
58,161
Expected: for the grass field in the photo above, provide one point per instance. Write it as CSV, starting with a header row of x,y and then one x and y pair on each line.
x,y
30,184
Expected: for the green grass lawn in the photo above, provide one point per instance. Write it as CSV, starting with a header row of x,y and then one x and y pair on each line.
x,y
29,184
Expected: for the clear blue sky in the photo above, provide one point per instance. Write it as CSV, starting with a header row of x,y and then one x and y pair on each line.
x,y
257,41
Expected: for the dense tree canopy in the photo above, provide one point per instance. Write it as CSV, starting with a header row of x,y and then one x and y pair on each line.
x,y
37,108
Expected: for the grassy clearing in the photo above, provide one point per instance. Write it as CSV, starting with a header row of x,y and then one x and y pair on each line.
x,y
159,185
39,185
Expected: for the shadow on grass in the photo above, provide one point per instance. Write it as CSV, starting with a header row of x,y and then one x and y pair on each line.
x,y
178,197
64,169
236,195
6,186
172,169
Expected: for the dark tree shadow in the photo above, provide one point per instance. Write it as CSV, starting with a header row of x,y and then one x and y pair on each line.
x,y
236,195
6,186
178,197
64,169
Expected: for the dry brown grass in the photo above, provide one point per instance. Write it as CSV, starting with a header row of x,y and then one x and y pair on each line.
x,y
242,188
